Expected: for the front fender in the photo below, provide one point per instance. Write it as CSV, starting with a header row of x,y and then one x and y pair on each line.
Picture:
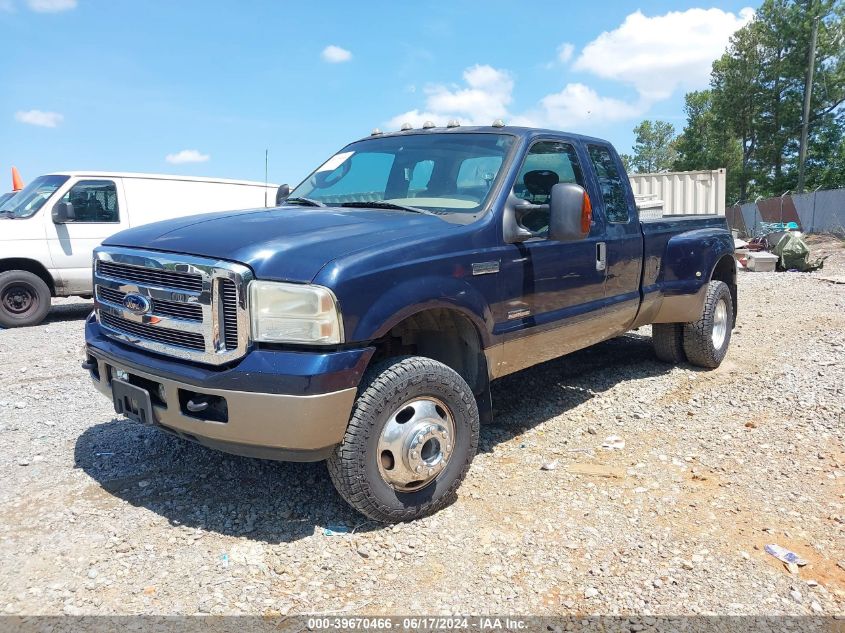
x,y
417,295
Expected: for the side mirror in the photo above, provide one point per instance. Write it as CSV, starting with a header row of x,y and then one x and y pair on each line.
x,y
282,194
63,212
570,213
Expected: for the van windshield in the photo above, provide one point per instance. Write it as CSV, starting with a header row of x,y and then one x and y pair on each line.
x,y
31,198
449,174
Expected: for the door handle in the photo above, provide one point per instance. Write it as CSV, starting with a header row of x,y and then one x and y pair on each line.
x,y
601,256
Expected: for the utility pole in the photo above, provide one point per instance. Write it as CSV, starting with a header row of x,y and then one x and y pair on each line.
x,y
808,93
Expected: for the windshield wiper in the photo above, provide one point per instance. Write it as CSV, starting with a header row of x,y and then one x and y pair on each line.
x,y
8,213
308,202
379,204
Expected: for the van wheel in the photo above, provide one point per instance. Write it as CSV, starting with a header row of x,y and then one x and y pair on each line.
x,y
24,299
410,440
706,340
668,341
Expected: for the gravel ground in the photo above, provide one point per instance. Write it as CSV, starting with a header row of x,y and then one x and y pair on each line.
x,y
103,516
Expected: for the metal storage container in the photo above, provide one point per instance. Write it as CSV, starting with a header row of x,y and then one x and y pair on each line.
x,y
684,192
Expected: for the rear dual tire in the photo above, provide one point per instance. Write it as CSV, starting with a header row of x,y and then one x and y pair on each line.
x,y
703,343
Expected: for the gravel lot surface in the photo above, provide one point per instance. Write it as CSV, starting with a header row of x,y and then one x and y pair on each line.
x,y
103,516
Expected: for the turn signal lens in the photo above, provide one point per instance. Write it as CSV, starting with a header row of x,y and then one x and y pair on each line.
x,y
586,214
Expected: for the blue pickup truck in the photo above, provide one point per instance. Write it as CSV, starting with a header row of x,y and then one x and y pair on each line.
x,y
362,321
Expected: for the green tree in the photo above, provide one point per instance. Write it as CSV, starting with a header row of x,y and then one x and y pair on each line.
x,y
750,119
654,149
706,143
738,100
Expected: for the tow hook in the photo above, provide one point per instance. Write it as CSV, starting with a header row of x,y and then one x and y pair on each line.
x,y
196,407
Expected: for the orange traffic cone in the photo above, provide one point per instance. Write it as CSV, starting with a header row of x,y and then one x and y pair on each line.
x,y
17,181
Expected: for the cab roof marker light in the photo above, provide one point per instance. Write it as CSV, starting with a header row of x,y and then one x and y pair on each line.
x,y
375,132
406,126
498,123
453,123
428,125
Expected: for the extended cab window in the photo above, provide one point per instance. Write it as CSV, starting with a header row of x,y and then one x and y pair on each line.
x,y
546,164
93,201
611,183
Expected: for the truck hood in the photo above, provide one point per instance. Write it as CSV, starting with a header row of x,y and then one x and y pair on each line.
x,y
284,244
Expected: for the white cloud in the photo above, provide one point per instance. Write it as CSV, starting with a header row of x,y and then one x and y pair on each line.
x,y
489,93
335,54
39,118
577,104
564,52
486,97
51,6
656,55
187,156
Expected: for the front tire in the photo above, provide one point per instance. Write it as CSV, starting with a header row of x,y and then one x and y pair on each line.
x,y
706,341
410,441
24,299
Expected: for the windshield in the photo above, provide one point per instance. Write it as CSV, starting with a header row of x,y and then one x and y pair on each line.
x,y
5,196
441,173
29,199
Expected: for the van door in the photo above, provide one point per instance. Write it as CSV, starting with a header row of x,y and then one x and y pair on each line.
x,y
99,209
624,239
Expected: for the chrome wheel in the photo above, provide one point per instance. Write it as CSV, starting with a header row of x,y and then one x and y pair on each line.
x,y
415,444
720,324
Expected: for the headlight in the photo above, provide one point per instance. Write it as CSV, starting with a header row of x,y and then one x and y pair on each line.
x,y
293,313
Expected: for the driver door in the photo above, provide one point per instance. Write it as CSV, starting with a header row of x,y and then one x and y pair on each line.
x,y
552,292
99,207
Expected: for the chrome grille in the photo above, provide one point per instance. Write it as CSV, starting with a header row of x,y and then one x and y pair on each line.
x,y
186,311
188,340
229,298
151,276
196,307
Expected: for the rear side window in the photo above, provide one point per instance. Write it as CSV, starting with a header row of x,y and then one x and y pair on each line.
x,y
611,183
478,171
94,201
419,177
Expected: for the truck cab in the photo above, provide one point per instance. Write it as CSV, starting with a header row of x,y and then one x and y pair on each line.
x,y
362,321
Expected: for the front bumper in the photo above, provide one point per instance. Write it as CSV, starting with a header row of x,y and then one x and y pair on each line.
x,y
270,414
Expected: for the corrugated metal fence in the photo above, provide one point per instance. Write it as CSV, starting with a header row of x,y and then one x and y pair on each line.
x,y
684,192
817,212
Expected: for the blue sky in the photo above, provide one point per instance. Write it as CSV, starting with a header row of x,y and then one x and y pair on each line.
x,y
121,86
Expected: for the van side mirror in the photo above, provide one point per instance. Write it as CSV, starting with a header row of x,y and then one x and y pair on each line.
x,y
570,213
63,212
282,194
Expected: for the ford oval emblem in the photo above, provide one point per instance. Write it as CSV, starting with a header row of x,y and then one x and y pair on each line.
x,y
137,304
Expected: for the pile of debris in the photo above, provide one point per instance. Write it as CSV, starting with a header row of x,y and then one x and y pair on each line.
x,y
780,247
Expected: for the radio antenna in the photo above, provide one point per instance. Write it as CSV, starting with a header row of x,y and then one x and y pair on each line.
x,y
266,171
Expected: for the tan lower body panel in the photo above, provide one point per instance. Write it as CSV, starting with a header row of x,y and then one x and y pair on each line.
x,y
260,420
537,347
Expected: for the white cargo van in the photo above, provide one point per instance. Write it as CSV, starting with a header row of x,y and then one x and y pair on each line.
x,y
50,228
